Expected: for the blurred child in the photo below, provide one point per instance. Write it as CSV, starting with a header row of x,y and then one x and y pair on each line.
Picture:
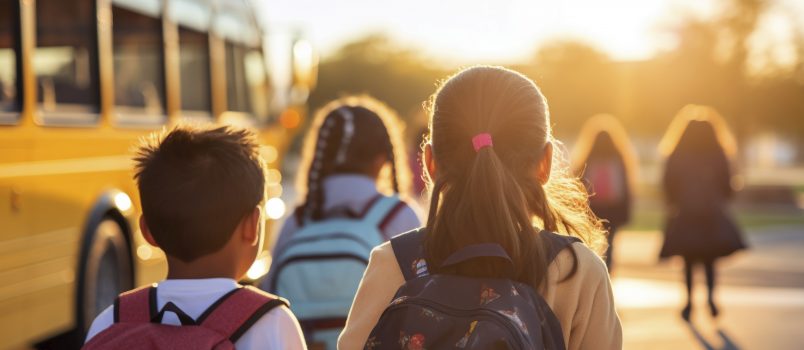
x,y
202,191
353,155
697,187
605,160
490,164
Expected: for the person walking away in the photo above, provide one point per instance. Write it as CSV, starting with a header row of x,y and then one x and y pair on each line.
x,y
697,186
506,258
605,159
355,174
202,193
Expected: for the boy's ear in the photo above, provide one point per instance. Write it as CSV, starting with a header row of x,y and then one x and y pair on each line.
x,y
250,226
429,162
546,164
146,232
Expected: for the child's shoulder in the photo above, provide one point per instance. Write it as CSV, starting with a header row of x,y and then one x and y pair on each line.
x,y
276,329
394,214
407,209
101,322
578,257
277,322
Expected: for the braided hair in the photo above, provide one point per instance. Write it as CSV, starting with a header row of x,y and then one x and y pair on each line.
x,y
350,137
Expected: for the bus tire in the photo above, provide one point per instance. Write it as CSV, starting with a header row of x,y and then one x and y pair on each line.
x,y
105,270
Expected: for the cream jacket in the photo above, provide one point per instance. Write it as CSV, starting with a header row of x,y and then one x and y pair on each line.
x,y
584,303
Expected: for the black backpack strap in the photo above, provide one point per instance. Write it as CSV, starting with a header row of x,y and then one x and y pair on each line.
x,y
557,243
184,318
409,252
552,334
138,305
237,311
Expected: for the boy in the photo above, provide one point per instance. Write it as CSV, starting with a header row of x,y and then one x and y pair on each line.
x,y
202,191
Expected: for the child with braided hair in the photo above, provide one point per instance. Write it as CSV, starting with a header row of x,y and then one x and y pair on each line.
x,y
352,178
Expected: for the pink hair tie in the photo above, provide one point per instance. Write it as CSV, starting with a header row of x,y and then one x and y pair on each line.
x,y
482,140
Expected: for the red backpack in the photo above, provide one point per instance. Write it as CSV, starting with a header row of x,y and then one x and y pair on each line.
x,y
137,323
606,179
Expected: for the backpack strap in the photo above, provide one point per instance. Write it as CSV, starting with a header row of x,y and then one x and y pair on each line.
x,y
234,313
409,252
557,243
137,305
345,211
383,210
184,318
379,211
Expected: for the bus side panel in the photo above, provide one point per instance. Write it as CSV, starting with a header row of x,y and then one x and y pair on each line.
x,y
66,171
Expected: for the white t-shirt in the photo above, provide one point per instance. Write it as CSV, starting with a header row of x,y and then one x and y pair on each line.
x,y
278,329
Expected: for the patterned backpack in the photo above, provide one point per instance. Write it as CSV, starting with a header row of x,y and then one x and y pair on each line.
x,y
137,323
442,311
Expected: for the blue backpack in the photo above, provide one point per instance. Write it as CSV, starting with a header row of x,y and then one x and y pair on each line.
x,y
442,311
321,265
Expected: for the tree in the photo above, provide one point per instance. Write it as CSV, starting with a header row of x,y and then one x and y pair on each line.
x,y
376,66
577,79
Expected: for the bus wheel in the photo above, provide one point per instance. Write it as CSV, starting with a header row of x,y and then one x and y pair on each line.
x,y
105,271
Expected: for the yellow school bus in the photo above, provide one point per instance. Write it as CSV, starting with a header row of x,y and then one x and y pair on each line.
x,y
80,82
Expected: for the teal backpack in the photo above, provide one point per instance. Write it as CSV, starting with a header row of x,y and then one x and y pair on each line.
x,y
320,266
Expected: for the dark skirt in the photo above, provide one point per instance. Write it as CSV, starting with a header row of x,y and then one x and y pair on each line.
x,y
697,236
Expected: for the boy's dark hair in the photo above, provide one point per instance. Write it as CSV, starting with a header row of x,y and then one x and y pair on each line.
x,y
196,184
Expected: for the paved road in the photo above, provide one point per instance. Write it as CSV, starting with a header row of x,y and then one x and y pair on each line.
x,y
761,294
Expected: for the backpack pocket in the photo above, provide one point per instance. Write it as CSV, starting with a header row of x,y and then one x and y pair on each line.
x,y
416,323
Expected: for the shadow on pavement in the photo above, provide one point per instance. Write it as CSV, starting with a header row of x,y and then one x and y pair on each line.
x,y
728,343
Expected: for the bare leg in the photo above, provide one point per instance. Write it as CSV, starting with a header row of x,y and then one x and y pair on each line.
x,y
709,268
688,267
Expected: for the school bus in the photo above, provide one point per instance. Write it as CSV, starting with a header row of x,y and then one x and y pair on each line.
x,y
80,82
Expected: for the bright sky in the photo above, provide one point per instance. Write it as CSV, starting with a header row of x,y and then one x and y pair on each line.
x,y
478,31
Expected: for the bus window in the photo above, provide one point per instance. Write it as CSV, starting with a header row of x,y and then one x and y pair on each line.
x,y
194,71
138,67
257,83
237,92
247,83
192,14
65,61
8,60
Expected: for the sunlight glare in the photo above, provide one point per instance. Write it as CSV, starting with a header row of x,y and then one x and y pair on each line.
x,y
269,153
144,252
259,268
122,201
275,208
635,293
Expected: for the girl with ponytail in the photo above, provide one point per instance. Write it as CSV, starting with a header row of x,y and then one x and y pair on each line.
x,y
495,178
